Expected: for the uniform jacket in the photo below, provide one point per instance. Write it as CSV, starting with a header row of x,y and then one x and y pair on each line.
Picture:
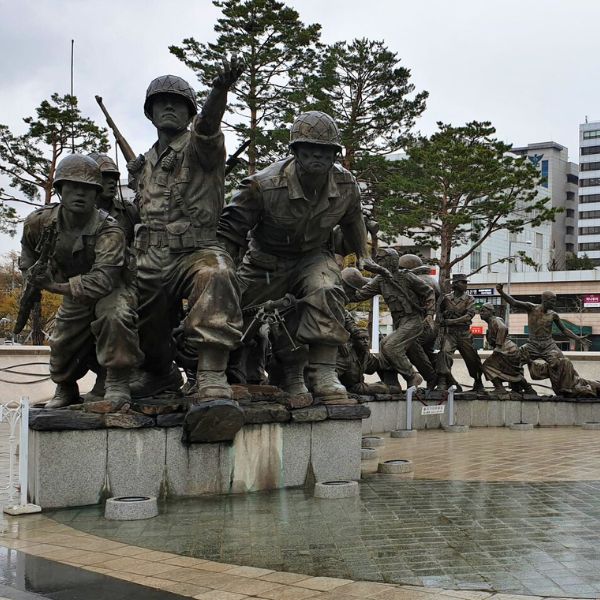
x,y
92,264
271,206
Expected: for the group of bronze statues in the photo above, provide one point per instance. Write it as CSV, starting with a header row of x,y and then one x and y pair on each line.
x,y
179,279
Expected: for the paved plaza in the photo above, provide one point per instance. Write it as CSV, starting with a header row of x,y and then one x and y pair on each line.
x,y
492,513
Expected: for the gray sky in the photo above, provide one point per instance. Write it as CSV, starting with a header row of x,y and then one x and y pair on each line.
x,y
529,67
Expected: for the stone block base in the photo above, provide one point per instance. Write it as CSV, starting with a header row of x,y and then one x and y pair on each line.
x,y
76,468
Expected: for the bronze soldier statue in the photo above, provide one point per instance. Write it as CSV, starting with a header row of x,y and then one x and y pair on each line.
x,y
411,302
355,360
565,380
126,214
88,267
457,310
504,364
181,195
289,211
540,318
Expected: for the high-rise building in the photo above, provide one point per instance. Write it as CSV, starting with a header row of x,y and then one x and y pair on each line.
x,y
560,178
588,239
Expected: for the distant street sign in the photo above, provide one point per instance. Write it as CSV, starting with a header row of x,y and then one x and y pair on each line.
x,y
591,301
482,292
433,410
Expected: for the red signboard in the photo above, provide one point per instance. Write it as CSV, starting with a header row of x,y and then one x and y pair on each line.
x,y
476,329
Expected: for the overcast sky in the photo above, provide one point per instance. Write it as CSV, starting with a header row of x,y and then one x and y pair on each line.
x,y
529,67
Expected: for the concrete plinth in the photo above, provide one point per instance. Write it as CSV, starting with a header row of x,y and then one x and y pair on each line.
x,y
76,468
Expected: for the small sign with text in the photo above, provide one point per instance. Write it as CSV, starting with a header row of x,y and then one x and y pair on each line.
x,y
433,410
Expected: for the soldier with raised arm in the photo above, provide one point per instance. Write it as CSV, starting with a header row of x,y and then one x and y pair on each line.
x,y
457,311
289,211
540,318
180,185
87,266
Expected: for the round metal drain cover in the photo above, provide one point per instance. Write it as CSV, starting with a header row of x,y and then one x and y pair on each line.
x,y
333,490
396,466
130,508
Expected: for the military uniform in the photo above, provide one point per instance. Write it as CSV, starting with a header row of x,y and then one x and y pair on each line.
x,y
409,298
504,363
289,249
178,256
94,322
458,337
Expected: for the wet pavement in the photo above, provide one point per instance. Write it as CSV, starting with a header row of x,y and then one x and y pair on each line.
x,y
26,577
519,538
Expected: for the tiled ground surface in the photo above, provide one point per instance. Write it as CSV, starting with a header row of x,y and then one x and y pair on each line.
x,y
521,532
500,454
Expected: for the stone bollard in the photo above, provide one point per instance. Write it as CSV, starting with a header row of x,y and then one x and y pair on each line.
x,y
521,426
130,508
396,466
334,490
372,441
456,428
403,433
368,453
591,425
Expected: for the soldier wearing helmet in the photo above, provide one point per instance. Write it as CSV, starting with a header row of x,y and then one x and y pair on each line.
x,y
289,211
87,267
123,211
180,188
411,301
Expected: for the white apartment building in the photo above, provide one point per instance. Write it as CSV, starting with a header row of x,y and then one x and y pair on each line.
x,y
588,240
560,179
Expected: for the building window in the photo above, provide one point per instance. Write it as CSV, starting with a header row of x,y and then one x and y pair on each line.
x,y
570,195
572,178
570,230
570,212
588,230
589,214
539,241
570,247
590,135
589,182
544,173
586,199
593,166
590,150
589,246
475,260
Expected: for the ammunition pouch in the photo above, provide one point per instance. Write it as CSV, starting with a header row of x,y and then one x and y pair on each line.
x,y
179,237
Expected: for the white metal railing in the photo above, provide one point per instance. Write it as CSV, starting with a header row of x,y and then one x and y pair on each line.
x,y
16,415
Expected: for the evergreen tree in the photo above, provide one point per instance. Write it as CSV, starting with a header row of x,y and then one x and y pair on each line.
x,y
29,160
279,51
362,85
459,187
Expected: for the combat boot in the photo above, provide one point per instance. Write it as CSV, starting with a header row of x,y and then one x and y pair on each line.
x,y
498,386
292,381
211,380
143,384
322,376
478,385
414,379
442,383
66,393
97,392
117,387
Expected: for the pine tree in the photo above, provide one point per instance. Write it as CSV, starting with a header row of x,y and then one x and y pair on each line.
x,y
29,160
279,51
459,187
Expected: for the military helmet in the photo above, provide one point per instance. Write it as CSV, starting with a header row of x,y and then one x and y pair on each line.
x,y
79,168
410,261
170,84
353,278
315,127
385,251
106,163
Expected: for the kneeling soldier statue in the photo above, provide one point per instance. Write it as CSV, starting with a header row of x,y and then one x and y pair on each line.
x,y
87,266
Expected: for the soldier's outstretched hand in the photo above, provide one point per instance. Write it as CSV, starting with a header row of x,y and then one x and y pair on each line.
x,y
499,286
368,264
229,72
